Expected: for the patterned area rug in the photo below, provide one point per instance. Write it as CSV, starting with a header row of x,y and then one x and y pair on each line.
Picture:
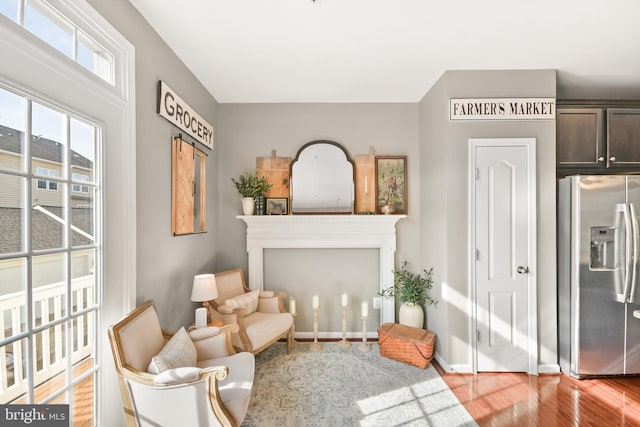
x,y
347,387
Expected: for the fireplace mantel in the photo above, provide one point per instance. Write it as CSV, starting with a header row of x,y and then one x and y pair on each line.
x,y
324,231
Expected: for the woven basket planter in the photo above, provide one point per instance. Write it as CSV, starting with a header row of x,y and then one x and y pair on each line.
x,y
406,344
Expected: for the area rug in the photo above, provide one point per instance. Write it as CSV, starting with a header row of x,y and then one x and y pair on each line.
x,y
339,387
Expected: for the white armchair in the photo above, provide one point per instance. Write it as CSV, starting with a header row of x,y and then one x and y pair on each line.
x,y
203,381
260,315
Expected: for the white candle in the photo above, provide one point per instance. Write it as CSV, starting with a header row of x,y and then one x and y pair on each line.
x,y
364,312
292,306
316,301
366,185
201,317
345,299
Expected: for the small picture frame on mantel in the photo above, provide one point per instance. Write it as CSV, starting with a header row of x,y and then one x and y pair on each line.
x,y
391,184
277,206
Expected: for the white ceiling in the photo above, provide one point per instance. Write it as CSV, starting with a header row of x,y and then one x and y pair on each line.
x,y
394,50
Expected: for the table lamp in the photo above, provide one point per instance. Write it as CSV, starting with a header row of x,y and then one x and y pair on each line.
x,y
204,290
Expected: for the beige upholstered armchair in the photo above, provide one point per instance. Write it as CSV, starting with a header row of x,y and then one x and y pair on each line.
x,y
184,379
260,315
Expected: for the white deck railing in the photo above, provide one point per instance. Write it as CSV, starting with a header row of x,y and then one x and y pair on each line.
x,y
49,346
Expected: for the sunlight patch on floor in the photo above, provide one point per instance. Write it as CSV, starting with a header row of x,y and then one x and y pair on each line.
x,y
419,404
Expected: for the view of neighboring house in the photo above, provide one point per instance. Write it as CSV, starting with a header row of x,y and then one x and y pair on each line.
x,y
47,221
47,215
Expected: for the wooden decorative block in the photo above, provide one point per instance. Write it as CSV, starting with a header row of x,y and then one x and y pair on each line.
x,y
365,185
406,344
277,170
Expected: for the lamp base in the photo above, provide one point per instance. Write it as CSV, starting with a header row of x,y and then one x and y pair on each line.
x,y
201,317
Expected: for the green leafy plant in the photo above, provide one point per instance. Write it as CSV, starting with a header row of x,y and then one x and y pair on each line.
x,y
411,287
251,185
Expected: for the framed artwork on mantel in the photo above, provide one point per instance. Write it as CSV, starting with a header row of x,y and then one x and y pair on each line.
x,y
391,184
277,206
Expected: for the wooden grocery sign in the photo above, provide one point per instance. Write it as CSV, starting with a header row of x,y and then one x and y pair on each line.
x,y
178,112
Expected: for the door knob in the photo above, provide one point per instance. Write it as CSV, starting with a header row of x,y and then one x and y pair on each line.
x,y
523,269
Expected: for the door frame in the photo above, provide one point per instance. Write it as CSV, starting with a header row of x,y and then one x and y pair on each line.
x,y
532,286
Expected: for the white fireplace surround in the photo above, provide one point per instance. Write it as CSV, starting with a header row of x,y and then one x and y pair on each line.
x,y
321,232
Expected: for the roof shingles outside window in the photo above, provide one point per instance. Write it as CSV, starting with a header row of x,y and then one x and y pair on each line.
x,y
46,231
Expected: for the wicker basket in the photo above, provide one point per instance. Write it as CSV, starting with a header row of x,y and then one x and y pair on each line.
x,y
406,344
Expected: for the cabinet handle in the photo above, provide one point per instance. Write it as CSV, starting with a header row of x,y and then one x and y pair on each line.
x,y
612,158
601,159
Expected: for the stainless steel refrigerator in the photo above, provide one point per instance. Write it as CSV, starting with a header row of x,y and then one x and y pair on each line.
x,y
598,275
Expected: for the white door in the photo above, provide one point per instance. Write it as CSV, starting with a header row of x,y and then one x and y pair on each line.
x,y
503,221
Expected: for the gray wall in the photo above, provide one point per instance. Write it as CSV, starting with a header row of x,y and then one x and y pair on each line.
x,y
433,235
444,204
248,131
165,264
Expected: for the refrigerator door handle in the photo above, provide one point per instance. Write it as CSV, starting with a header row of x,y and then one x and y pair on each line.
x,y
628,231
634,224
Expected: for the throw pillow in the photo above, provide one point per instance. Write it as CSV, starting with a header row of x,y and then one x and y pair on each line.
x,y
248,301
176,376
178,352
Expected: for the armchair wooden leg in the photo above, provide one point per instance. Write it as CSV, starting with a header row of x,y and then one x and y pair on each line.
x,y
290,339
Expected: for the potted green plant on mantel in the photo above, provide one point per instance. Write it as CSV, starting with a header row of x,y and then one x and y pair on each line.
x,y
413,291
251,186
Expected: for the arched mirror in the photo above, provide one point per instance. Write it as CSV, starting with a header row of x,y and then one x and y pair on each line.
x,y
322,179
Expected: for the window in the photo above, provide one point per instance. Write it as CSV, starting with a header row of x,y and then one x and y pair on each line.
x,y
44,184
50,25
55,240
77,188
52,184
60,107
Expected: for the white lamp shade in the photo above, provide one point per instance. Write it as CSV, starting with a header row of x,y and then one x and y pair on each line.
x,y
204,288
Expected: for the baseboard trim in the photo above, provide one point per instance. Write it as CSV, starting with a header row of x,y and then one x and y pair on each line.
x,y
549,368
335,335
455,368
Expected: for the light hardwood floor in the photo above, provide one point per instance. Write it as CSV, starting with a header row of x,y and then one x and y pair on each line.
x,y
82,393
514,399
498,399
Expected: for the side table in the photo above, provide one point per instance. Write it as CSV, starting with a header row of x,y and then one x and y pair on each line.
x,y
217,323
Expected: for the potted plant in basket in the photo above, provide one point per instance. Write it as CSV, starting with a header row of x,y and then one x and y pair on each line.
x,y
413,291
250,186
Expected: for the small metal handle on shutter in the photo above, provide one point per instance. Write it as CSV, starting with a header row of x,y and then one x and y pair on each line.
x,y
523,269
601,159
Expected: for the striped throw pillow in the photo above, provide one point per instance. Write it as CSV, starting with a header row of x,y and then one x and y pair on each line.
x,y
248,301
178,352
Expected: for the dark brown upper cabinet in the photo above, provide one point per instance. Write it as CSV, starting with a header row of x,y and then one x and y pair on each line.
x,y
623,137
580,137
598,138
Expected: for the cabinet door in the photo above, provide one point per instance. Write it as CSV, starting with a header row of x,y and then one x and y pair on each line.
x,y
580,137
623,137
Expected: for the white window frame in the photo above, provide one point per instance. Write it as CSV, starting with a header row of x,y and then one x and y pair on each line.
x,y
32,66
57,10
